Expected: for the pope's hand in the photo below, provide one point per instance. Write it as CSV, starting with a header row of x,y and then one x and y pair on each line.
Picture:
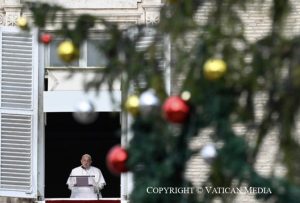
x,y
101,186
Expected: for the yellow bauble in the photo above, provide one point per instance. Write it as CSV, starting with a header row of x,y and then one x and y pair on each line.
x,y
22,23
67,51
132,104
214,69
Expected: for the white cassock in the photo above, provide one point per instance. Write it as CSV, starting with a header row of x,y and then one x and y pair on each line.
x,y
97,183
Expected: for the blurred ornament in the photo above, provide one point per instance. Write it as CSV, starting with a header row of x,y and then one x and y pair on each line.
x,y
132,105
214,69
46,38
67,51
22,23
208,153
85,112
176,110
148,101
186,95
149,98
116,160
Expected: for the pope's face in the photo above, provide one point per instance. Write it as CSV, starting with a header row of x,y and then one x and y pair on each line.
x,y
86,162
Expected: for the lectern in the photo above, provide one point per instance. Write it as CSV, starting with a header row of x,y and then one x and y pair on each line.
x,y
82,181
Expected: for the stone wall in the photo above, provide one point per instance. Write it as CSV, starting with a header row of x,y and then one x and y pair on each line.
x,y
258,24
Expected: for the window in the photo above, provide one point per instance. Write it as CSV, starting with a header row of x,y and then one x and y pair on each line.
x,y
94,56
90,55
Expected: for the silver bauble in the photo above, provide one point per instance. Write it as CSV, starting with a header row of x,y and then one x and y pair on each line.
x,y
148,102
149,98
208,153
85,112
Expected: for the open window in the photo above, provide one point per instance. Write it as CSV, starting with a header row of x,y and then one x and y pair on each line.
x,y
66,141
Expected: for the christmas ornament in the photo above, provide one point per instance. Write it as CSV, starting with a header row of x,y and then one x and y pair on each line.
x,y
214,69
67,51
149,98
208,152
116,160
148,101
85,112
132,104
46,38
22,23
175,109
186,95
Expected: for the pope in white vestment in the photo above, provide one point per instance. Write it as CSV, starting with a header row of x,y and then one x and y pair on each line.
x,y
95,180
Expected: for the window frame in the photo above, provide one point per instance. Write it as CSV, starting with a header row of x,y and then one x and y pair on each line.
x,y
83,57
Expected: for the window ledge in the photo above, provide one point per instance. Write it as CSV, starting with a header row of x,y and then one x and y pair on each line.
x,y
75,68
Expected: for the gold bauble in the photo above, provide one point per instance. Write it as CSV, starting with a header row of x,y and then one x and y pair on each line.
x,y
132,105
22,23
214,69
67,51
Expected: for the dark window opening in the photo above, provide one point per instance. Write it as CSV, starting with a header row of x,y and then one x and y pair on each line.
x,y
45,84
67,140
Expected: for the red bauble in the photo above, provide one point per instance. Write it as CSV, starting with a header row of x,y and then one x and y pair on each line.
x,y
176,109
46,38
116,160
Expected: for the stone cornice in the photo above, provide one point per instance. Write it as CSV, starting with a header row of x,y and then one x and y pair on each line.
x,y
12,6
157,6
96,4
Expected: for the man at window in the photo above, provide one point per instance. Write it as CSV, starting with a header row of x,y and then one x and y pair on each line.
x,y
95,180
